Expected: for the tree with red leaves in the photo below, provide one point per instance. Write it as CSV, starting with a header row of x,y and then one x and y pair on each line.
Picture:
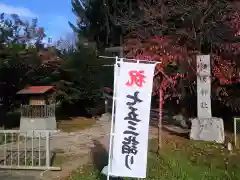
x,y
14,30
173,32
193,28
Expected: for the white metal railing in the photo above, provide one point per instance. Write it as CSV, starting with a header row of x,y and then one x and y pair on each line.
x,y
18,150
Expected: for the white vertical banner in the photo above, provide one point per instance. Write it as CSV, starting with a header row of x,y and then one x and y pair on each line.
x,y
132,114
204,86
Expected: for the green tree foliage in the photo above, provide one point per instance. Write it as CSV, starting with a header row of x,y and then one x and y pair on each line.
x,y
18,56
80,76
14,31
75,71
96,21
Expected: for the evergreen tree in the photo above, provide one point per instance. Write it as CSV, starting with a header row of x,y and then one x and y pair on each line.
x,y
96,21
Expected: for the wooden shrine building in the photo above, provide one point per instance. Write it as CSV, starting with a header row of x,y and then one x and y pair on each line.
x,y
37,108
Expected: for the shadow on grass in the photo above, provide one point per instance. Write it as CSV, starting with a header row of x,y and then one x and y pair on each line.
x,y
182,135
100,159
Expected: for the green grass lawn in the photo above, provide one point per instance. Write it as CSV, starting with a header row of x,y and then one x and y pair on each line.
x,y
75,124
181,159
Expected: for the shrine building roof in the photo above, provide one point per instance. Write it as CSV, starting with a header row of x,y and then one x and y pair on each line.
x,y
35,90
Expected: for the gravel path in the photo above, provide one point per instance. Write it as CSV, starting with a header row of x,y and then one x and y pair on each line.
x,y
77,146
80,142
18,175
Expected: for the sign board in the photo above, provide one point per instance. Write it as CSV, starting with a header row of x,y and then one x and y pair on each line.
x,y
132,114
204,86
35,101
205,127
208,129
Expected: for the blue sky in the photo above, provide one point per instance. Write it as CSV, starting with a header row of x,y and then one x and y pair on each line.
x,y
53,15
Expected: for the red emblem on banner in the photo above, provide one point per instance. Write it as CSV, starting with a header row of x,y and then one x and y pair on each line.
x,y
136,77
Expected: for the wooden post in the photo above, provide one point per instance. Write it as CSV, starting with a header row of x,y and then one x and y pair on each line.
x,y
106,105
160,119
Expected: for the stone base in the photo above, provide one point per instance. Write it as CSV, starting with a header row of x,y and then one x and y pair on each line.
x,y
106,117
36,126
207,129
105,172
181,120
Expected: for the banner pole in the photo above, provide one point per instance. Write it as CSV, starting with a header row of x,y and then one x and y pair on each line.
x,y
113,116
137,60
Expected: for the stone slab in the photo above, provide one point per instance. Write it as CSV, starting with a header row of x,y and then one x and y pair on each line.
x,y
207,129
